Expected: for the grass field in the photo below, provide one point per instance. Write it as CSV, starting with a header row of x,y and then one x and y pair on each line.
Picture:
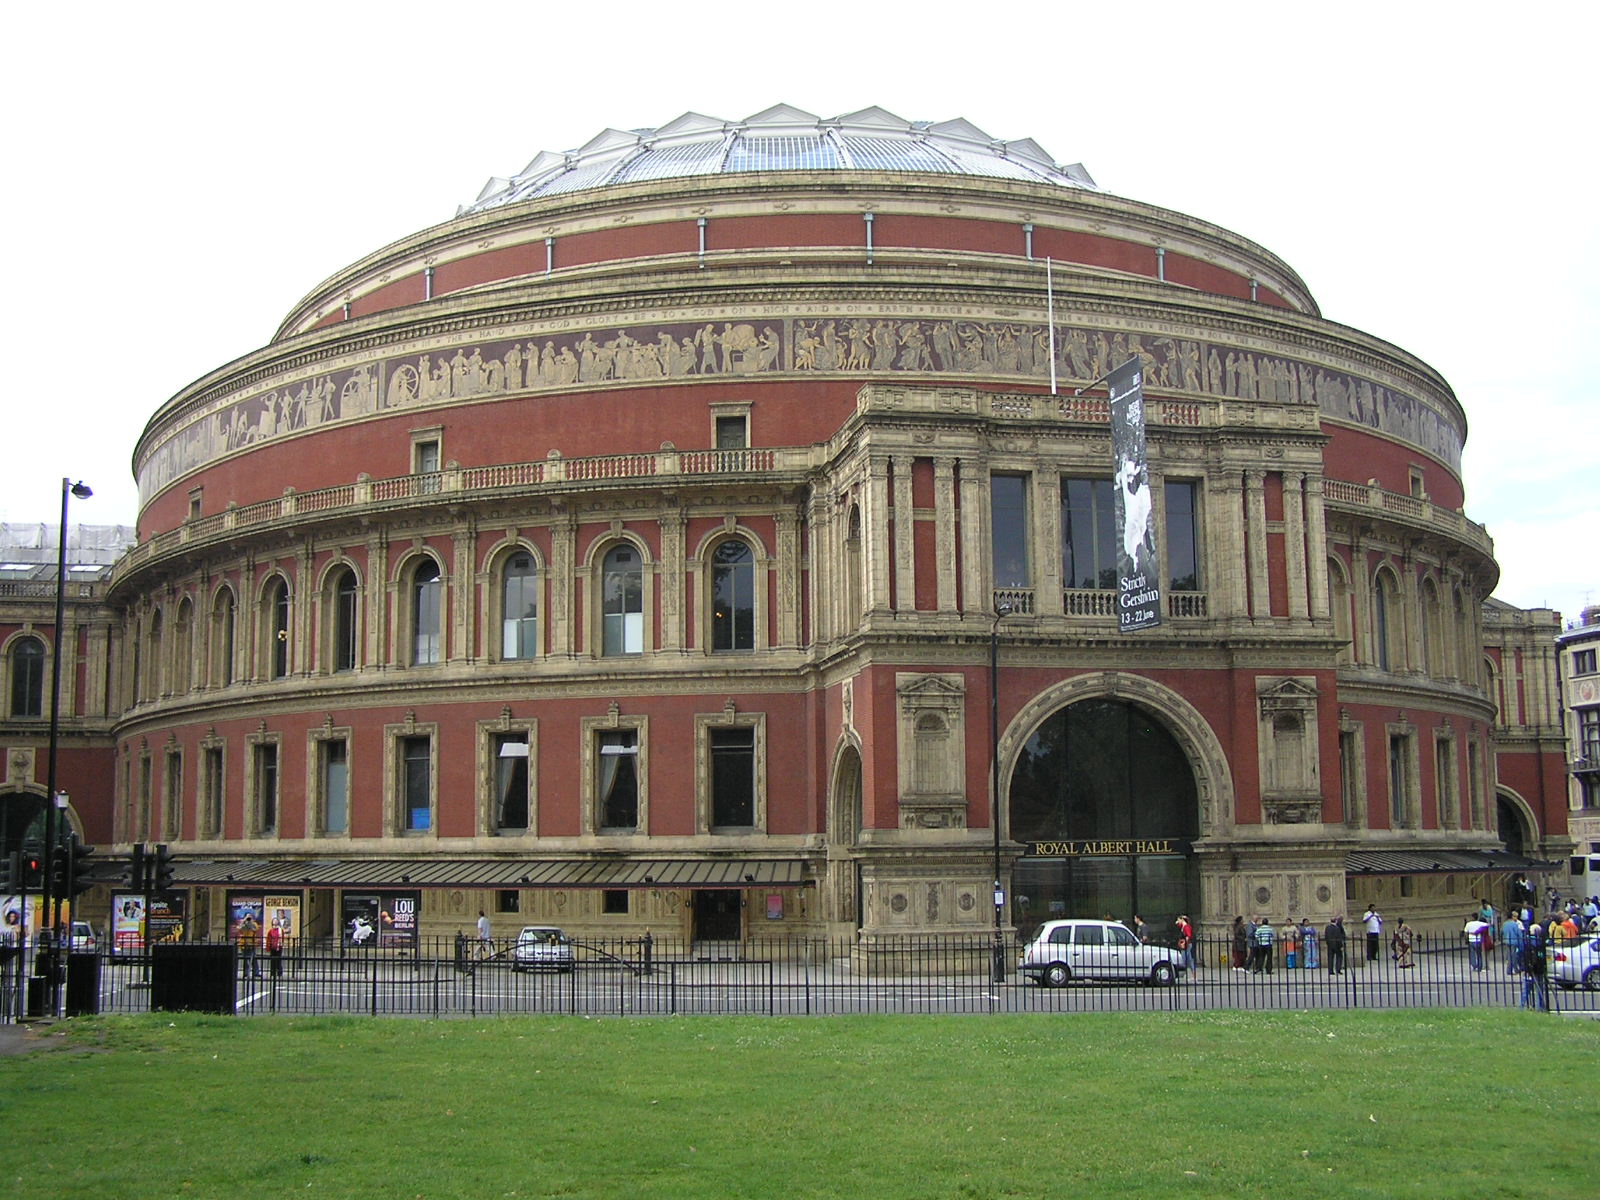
x,y
1448,1104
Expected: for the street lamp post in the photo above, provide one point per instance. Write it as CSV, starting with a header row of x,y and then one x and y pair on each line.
x,y
1001,611
50,905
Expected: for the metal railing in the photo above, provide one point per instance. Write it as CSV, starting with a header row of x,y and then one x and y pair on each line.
x,y
805,976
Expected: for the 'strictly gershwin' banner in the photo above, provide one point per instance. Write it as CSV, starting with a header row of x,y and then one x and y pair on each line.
x,y
1138,580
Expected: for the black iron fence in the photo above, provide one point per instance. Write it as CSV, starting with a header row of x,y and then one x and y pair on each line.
x,y
455,977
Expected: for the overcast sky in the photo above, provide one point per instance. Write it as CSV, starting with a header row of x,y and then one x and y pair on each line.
x,y
179,175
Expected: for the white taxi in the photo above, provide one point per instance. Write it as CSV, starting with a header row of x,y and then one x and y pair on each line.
x,y
1062,951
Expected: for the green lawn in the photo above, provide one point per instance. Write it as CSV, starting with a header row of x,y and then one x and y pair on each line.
x,y
1448,1104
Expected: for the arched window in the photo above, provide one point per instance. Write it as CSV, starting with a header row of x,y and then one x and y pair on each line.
x,y
222,624
427,599
622,601
183,648
1385,622
733,603
519,607
342,622
152,657
1339,605
853,570
27,678
275,611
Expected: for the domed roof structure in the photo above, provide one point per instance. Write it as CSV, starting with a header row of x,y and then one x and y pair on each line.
x,y
780,138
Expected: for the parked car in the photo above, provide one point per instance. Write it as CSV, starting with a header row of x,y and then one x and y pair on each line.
x,y
1572,963
1062,951
542,947
82,937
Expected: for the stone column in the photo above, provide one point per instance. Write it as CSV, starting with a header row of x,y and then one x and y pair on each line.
x,y
563,583
944,532
1224,543
463,612
1317,548
788,589
670,579
977,595
875,536
1294,541
377,580
905,587
1255,544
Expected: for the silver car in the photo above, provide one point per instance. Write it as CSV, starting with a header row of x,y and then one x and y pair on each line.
x,y
542,948
1063,951
1574,963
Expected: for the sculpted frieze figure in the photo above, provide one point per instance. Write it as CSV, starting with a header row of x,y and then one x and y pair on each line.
x,y
819,344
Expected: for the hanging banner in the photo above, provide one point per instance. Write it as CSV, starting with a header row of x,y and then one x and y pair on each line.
x,y
1138,572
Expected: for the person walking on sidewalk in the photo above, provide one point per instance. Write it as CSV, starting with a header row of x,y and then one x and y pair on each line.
x,y
1333,936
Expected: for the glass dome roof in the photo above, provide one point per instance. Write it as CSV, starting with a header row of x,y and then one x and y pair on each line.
x,y
779,139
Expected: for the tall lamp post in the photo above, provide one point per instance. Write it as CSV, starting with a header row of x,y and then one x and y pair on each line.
x,y
50,914
1001,611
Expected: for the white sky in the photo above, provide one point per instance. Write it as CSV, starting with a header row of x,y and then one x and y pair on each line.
x,y
178,175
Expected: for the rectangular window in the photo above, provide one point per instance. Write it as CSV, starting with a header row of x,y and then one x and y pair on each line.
x,y
510,782
334,754
1399,779
1182,536
614,901
266,756
211,782
1444,783
1008,508
144,796
1583,662
1589,734
733,777
172,808
1350,779
508,900
1088,534
731,433
617,779
416,784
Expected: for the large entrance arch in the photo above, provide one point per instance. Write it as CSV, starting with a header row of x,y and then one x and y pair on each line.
x,y
1103,795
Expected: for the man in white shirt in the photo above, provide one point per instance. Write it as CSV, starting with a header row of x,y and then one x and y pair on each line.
x,y
1372,920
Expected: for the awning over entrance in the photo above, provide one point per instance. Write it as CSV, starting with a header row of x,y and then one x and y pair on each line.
x,y
1439,862
493,873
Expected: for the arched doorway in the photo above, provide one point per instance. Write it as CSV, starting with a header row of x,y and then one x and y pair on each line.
x,y
1513,831
1103,797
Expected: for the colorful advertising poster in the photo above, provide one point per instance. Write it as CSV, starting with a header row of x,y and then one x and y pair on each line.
x,y
1138,571
385,920
265,910
17,927
127,923
164,919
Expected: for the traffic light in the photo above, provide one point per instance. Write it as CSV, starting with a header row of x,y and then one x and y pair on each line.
x,y
60,868
162,869
137,878
79,867
10,872
32,874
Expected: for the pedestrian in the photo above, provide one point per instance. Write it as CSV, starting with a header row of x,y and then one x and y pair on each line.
x,y
1186,942
1334,936
1535,986
1311,960
1372,921
1400,944
1474,931
1289,936
1241,943
275,949
485,942
1141,930
249,939
1511,936
1263,939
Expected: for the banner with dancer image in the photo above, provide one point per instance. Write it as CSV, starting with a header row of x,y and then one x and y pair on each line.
x,y
1138,567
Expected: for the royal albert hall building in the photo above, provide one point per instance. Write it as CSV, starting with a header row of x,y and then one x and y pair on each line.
x,y
688,535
